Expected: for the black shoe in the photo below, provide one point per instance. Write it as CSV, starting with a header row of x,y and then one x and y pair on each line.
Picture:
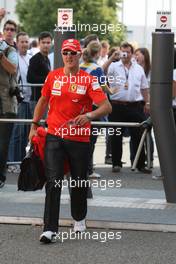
x,y
48,237
2,183
145,170
116,168
108,160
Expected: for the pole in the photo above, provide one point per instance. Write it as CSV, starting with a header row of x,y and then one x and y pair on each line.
x,y
60,34
145,26
161,108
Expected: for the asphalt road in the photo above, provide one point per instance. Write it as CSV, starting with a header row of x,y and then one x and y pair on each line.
x,y
19,245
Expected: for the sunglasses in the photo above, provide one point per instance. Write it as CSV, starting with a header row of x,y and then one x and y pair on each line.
x,y
73,53
10,29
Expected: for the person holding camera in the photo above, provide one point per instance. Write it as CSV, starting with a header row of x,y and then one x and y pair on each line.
x,y
20,133
8,102
129,103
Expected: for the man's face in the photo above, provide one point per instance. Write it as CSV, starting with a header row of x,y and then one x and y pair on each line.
x,y
71,58
45,45
23,44
129,54
9,32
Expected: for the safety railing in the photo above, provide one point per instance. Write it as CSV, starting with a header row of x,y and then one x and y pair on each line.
x,y
145,136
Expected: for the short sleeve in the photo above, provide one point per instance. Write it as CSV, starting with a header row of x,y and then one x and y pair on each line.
x,y
13,57
144,82
95,92
46,89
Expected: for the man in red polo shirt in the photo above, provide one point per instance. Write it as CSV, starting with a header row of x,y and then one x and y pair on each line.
x,y
69,93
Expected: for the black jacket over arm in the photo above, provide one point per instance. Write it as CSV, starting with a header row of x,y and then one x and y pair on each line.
x,y
39,67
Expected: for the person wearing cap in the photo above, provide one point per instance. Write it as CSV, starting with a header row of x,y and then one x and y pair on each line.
x,y
69,92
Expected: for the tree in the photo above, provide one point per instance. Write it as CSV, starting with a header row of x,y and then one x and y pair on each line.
x,y
41,15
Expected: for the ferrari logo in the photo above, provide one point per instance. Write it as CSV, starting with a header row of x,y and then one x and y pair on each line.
x,y
73,87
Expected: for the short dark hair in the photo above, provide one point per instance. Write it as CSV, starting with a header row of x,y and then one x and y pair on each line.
x,y
127,45
10,22
45,34
22,33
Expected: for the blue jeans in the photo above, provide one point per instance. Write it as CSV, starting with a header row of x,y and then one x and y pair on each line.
x,y
19,137
5,134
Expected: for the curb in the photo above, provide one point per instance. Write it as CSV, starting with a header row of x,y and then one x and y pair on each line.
x,y
92,224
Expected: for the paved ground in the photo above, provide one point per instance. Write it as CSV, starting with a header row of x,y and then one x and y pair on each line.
x,y
139,200
19,244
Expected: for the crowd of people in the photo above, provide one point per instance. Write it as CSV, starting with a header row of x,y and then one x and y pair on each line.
x,y
115,88
98,60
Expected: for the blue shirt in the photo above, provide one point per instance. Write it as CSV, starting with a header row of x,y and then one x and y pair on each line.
x,y
95,70
12,54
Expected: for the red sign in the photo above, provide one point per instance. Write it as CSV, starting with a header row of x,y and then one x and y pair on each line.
x,y
65,16
163,19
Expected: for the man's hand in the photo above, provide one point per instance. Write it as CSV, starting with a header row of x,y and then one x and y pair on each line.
x,y
147,108
81,120
2,13
33,132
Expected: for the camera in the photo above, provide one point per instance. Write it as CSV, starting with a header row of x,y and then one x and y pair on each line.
x,y
123,55
16,92
2,45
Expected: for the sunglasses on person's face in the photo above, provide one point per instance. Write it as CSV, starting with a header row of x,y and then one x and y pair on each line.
x,y
73,53
10,29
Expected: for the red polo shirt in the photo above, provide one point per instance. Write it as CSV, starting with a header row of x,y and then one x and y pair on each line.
x,y
68,98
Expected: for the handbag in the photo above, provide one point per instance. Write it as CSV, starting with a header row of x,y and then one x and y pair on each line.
x,y
31,177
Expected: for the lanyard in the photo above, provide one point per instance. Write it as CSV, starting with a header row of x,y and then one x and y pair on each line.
x,y
126,73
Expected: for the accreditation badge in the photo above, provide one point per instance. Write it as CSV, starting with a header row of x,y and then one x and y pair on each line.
x,y
126,86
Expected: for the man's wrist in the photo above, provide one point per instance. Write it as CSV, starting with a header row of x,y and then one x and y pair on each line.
x,y
35,123
89,116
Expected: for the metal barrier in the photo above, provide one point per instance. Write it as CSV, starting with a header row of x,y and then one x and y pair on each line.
x,y
146,125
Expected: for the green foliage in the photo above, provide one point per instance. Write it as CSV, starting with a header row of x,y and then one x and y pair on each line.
x,y
41,15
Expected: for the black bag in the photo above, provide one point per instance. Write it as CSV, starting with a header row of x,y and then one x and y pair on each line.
x,y
31,177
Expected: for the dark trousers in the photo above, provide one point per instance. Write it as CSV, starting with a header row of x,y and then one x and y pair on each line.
x,y
127,113
174,112
5,134
19,137
77,153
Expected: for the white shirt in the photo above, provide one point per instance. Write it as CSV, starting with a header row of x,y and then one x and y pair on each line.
x,y
23,64
33,51
134,77
102,60
51,59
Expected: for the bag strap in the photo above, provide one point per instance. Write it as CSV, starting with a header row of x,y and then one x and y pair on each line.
x,y
6,51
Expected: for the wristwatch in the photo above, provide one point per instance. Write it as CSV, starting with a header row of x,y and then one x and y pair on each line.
x,y
89,116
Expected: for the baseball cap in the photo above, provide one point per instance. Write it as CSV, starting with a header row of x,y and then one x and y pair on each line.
x,y
71,44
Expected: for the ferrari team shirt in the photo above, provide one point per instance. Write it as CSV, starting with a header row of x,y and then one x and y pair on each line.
x,y
70,96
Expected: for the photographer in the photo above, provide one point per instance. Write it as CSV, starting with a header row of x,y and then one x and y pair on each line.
x,y
20,133
8,103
